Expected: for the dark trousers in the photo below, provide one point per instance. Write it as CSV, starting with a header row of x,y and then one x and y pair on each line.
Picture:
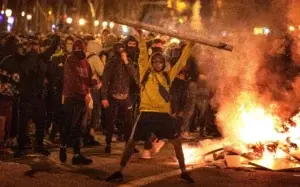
x,y
31,108
96,108
117,107
73,112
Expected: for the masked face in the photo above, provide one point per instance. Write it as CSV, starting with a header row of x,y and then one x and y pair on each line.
x,y
131,49
80,54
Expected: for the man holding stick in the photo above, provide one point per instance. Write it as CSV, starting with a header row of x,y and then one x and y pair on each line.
x,y
155,107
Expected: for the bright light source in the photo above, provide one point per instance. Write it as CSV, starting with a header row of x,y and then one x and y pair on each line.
x,y
292,28
104,24
299,27
81,21
9,28
125,28
50,12
258,31
266,30
175,40
69,20
224,33
111,25
53,26
10,20
23,14
180,20
96,23
2,12
8,12
29,16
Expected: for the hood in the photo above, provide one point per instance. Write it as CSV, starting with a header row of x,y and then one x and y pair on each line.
x,y
94,46
153,55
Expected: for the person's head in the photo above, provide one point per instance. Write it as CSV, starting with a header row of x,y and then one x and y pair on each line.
x,y
156,46
131,46
69,41
78,49
105,34
158,62
175,53
10,45
34,46
110,40
45,44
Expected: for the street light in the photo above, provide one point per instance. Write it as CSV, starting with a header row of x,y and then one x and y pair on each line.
x,y
292,28
8,12
125,28
104,24
29,16
69,20
111,25
10,20
96,23
2,12
81,21
23,14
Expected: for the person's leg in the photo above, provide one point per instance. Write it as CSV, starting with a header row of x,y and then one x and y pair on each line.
x,y
189,107
111,115
40,124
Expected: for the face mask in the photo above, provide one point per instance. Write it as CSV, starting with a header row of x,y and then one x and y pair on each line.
x,y
79,54
131,52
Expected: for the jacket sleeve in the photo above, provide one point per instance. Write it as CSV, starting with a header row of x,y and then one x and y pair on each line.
x,y
51,50
105,80
130,69
143,57
181,62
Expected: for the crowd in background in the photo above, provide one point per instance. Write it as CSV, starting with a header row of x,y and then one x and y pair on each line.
x,y
71,87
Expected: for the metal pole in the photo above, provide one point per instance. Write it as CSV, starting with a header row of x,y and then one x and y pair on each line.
x,y
185,35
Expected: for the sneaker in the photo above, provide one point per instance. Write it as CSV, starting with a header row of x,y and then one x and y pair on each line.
x,y
146,154
81,160
186,177
43,151
157,145
108,149
116,176
19,153
63,155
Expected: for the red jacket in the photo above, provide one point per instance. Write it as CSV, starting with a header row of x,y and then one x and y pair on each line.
x,y
77,78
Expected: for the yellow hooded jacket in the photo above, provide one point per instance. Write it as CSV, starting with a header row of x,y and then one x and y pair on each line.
x,y
151,100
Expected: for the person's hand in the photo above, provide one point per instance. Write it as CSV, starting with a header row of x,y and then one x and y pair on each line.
x,y
124,57
87,99
98,86
105,103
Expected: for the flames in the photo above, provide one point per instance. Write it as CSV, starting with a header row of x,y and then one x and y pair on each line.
x,y
256,130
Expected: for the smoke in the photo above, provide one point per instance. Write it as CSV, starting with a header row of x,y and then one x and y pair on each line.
x,y
259,73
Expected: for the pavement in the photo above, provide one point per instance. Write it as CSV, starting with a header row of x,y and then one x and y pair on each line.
x,y
161,170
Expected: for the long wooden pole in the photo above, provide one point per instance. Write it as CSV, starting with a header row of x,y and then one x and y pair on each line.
x,y
190,36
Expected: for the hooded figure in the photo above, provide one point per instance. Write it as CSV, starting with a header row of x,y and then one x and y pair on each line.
x,y
76,91
155,115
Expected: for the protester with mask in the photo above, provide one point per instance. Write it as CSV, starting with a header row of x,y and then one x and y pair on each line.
x,y
32,90
77,83
115,92
155,108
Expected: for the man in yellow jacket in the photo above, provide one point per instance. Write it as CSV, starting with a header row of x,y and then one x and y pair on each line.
x,y
155,106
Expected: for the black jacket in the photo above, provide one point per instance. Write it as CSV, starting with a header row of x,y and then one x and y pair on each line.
x,y
116,77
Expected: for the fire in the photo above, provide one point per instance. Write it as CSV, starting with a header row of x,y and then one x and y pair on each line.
x,y
257,129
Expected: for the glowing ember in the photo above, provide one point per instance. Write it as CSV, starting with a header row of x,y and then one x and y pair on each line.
x,y
191,154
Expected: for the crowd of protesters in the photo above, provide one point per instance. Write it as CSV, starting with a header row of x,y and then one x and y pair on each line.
x,y
139,87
